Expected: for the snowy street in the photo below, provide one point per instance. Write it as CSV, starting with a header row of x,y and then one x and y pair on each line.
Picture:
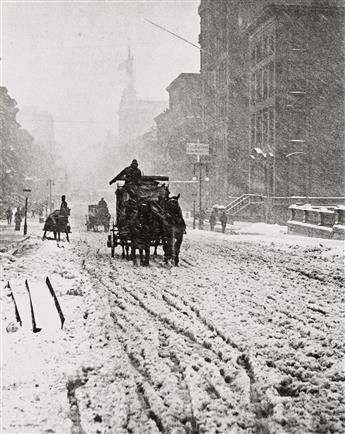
x,y
244,336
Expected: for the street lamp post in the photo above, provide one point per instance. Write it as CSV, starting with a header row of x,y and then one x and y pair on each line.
x,y
50,183
198,167
194,206
26,190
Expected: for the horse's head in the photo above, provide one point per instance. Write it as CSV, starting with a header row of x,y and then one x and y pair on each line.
x,y
173,206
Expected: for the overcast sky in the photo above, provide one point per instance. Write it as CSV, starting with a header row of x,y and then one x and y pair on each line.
x,y
62,57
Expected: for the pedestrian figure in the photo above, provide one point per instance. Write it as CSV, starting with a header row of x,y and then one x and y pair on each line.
x,y
223,220
212,220
17,219
9,215
32,213
202,216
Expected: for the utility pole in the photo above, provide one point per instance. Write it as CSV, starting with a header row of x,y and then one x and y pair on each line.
x,y
194,195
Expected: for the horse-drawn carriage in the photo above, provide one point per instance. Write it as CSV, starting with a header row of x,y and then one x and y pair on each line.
x,y
147,217
98,215
57,223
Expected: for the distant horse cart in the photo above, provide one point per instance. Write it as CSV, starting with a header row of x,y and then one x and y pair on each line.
x,y
56,223
97,218
147,217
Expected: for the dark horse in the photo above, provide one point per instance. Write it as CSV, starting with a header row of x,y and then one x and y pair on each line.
x,y
56,223
174,229
124,222
141,229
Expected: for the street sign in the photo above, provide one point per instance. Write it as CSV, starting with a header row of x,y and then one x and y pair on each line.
x,y
198,148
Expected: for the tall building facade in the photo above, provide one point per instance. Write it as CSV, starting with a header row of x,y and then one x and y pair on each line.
x,y
223,43
297,112
10,183
244,84
23,162
180,124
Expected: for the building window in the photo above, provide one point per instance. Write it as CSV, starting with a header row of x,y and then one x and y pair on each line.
x,y
258,86
252,56
271,44
252,89
221,75
252,130
258,51
259,128
271,127
221,107
224,142
297,125
265,121
265,84
223,37
271,80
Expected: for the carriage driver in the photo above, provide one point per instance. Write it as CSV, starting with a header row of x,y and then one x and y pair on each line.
x,y
131,174
64,210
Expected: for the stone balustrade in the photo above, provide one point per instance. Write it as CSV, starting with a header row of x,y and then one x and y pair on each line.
x,y
317,221
339,223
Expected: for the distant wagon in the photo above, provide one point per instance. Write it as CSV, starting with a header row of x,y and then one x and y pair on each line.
x,y
97,218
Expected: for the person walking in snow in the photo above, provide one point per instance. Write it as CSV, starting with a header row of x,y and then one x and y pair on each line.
x,y
223,220
212,220
17,219
9,215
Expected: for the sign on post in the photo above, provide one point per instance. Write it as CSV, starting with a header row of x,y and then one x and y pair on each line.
x,y
198,148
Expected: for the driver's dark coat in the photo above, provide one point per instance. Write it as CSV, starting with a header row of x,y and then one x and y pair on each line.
x,y
130,174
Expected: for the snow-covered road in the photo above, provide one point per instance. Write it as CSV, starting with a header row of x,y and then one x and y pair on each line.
x,y
244,336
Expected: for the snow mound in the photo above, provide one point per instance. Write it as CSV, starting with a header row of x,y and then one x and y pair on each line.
x,y
263,229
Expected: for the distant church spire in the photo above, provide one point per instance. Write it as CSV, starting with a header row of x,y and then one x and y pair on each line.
x,y
128,67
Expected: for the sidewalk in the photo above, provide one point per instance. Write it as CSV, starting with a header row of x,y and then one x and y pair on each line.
x,y
241,228
262,233
9,237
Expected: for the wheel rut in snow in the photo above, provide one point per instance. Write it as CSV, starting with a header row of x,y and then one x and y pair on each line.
x,y
128,320
263,302
72,385
148,374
